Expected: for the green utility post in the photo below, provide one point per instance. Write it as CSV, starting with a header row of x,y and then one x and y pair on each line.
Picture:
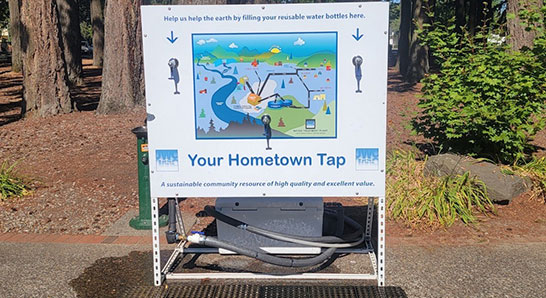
x,y
144,219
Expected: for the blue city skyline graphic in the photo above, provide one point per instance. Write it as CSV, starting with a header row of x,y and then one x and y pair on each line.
x,y
367,159
166,160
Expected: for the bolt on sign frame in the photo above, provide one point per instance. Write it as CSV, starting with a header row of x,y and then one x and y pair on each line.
x,y
267,101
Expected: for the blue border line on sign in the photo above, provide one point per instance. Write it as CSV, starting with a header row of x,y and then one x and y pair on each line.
x,y
259,138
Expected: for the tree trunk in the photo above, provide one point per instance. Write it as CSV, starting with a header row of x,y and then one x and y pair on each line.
x,y
418,54
97,22
519,37
123,73
69,21
460,15
403,39
475,16
45,85
15,34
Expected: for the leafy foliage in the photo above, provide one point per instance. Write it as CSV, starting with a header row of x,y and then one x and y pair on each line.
x,y
485,100
425,201
4,14
11,184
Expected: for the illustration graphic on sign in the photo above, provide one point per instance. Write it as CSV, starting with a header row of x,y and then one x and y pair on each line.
x,y
367,159
175,76
260,63
166,160
266,100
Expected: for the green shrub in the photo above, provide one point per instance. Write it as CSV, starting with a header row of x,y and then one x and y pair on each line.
x,y
485,100
11,184
423,201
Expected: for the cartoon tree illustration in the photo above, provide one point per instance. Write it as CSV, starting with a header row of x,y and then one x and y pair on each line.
x,y
211,127
235,71
281,123
282,86
202,115
291,81
233,101
247,119
213,81
328,111
291,57
324,107
197,77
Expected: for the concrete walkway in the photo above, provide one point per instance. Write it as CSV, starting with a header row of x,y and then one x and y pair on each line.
x,y
45,267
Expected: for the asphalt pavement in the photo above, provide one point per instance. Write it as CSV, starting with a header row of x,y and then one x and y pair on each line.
x,y
499,270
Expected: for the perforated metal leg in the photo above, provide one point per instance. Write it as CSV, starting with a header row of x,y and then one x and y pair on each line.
x,y
381,242
158,278
369,218
378,262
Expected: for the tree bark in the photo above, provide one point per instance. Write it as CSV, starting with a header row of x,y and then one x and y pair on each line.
x,y
418,54
69,22
404,38
45,85
460,15
519,37
123,73
15,34
97,22
475,16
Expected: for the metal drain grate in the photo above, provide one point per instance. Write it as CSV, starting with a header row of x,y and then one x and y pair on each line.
x,y
266,291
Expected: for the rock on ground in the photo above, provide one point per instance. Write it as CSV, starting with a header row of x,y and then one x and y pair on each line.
x,y
501,188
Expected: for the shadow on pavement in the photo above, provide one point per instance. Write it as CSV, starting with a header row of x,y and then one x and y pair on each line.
x,y
131,276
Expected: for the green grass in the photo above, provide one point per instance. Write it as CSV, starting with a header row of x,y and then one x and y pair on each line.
x,y
422,201
11,184
535,170
292,118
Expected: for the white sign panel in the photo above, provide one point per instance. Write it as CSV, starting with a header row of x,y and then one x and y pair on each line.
x,y
266,100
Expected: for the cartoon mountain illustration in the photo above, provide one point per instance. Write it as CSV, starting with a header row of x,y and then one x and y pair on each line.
x,y
221,53
316,59
276,57
206,56
248,53
264,56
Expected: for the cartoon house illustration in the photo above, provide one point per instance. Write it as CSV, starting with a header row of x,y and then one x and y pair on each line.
x,y
321,96
328,66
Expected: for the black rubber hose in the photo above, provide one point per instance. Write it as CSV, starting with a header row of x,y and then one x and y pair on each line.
x,y
326,239
267,258
279,261
172,214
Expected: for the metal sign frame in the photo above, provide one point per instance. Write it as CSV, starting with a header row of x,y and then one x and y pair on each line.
x,y
377,259
377,255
